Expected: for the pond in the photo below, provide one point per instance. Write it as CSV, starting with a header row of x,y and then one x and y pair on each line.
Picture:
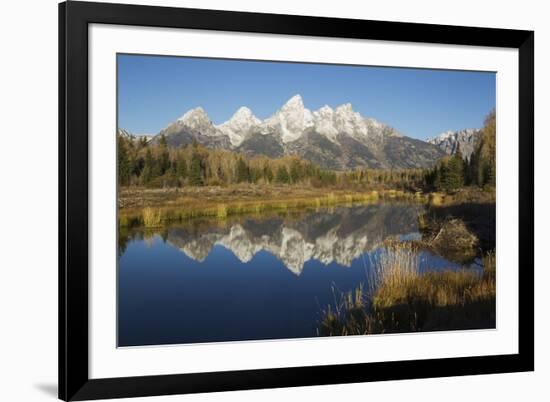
x,y
252,277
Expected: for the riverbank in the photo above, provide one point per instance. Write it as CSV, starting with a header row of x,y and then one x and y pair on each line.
x,y
155,207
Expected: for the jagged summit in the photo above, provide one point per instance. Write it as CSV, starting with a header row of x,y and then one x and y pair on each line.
x,y
295,101
197,119
194,115
449,141
324,122
243,113
290,121
349,121
240,125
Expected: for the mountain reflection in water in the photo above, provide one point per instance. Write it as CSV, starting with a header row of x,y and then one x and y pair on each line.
x,y
225,280
337,235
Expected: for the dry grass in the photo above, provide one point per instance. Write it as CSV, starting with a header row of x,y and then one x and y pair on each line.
x,y
490,265
395,267
222,211
471,195
348,314
151,217
436,199
159,206
401,299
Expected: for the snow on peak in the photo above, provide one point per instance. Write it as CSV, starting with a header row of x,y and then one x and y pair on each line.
x,y
291,120
124,133
374,123
346,120
239,126
243,113
134,136
441,137
294,102
197,120
344,109
324,122
243,119
449,141
195,114
324,111
451,135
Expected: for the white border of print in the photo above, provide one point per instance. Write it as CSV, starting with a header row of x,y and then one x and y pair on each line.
x,y
106,360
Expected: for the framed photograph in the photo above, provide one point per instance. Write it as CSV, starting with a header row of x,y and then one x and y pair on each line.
x,y
256,200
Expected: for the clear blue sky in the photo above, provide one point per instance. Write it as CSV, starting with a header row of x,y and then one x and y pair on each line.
x,y
155,90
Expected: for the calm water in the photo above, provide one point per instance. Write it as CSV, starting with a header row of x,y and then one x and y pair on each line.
x,y
253,277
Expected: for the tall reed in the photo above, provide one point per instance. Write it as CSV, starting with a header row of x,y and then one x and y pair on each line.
x,y
396,266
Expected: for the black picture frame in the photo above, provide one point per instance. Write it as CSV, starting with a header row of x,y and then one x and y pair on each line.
x,y
74,18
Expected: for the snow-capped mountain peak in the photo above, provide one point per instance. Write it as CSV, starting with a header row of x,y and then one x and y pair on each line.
x,y
244,113
324,111
239,126
197,120
349,121
294,102
345,108
291,120
449,141
194,115
324,123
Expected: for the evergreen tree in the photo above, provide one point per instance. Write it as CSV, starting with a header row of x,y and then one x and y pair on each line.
x,y
137,166
195,171
268,173
255,174
124,167
467,171
489,177
433,177
243,173
148,167
164,157
476,172
454,175
483,159
181,167
295,174
282,175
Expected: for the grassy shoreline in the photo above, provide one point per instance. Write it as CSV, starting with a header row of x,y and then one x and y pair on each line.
x,y
402,299
153,208
157,207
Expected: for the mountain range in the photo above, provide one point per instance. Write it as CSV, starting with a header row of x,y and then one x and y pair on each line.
x,y
338,138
